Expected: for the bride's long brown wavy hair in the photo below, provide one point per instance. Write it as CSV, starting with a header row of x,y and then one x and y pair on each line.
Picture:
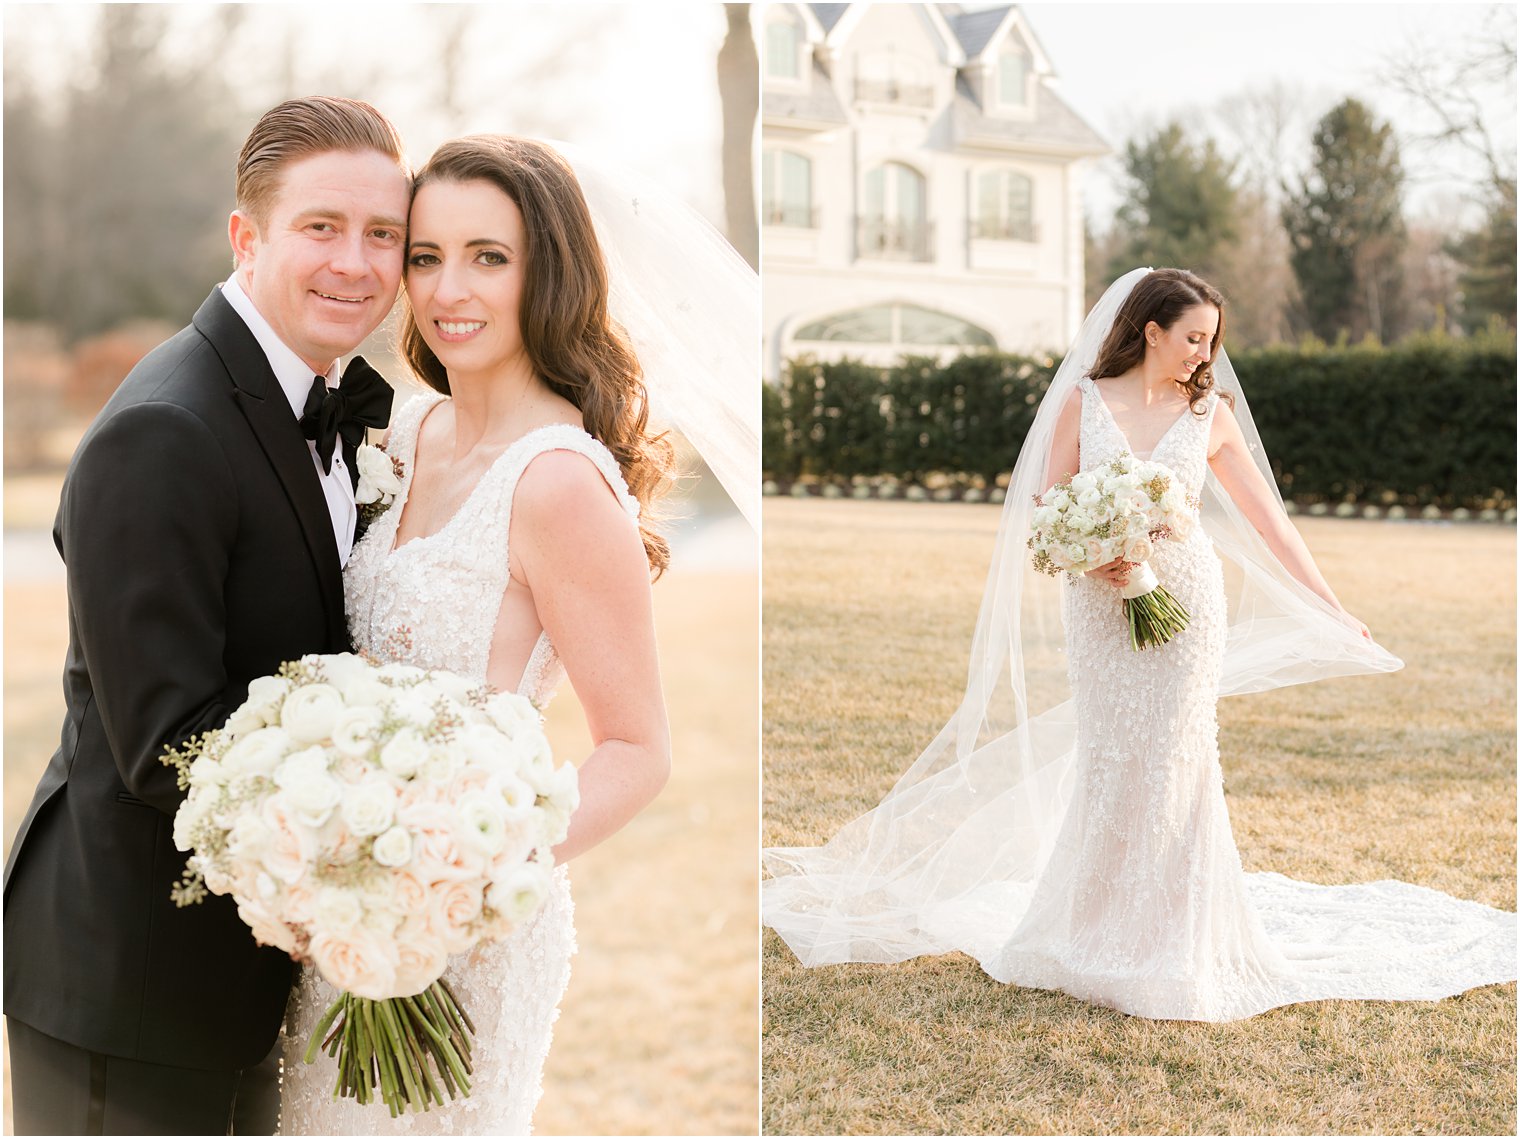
x,y
1162,295
570,338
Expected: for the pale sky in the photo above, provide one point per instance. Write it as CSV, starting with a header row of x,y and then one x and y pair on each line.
x,y
637,82
1129,66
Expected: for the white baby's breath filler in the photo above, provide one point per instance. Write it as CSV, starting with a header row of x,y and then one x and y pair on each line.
x,y
1117,511
370,820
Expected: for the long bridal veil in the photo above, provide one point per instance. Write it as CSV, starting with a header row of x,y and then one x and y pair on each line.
x,y
948,859
691,308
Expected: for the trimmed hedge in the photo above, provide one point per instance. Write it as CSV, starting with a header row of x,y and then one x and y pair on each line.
x,y
1427,422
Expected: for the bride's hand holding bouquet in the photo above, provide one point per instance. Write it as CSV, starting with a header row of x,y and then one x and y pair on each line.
x,y
370,820
1107,522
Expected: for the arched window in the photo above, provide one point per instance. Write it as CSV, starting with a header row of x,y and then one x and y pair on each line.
x,y
1013,74
783,41
1003,206
894,213
906,326
786,189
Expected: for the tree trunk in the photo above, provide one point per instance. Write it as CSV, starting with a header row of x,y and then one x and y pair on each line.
x,y
739,89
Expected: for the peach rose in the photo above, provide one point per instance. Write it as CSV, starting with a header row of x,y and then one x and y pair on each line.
x,y
355,961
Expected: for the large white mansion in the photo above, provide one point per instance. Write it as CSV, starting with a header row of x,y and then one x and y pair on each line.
x,y
920,184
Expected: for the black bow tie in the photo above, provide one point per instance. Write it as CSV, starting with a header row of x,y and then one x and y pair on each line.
x,y
362,399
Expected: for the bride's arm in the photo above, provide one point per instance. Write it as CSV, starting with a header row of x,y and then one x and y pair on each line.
x,y
582,558
1231,462
1065,450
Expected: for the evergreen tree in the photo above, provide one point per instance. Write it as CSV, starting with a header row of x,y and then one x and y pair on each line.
x,y
1180,208
1346,225
1487,254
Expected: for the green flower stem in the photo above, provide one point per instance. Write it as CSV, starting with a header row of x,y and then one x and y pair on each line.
x,y
456,1058
1154,618
403,1030
321,1029
432,1044
455,1007
393,1084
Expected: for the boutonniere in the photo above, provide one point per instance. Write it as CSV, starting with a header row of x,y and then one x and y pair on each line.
x,y
380,476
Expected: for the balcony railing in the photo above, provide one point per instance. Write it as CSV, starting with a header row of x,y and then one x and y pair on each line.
x,y
891,91
796,216
1004,229
895,239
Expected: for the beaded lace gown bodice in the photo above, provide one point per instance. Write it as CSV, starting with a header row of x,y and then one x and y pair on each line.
x,y
434,602
1143,905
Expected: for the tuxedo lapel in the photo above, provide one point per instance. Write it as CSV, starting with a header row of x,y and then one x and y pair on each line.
x,y
262,402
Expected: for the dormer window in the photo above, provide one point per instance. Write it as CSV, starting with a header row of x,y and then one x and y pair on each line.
x,y
1013,70
783,45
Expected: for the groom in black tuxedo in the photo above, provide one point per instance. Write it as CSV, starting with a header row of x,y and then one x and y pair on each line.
x,y
204,523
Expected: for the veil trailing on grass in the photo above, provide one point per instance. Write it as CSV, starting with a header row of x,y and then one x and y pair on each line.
x,y
948,859
691,308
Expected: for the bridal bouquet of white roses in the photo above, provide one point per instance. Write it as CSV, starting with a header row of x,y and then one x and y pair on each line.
x,y
371,820
1120,510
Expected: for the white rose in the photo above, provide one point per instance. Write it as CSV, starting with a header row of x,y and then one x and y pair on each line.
x,y
509,711
395,673
539,768
243,722
1060,500
1045,516
1090,499
264,696
301,764
483,821
259,752
1083,481
342,669
337,909
377,475
393,848
412,706
564,790
404,753
312,797
249,837
369,807
1076,555
1079,521
308,713
205,772
457,688
1139,549
518,894
439,766
267,930
353,732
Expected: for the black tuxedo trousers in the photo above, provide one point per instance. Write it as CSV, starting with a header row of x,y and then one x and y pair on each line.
x,y
200,554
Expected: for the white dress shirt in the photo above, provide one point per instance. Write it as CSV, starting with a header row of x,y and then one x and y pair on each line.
x,y
295,380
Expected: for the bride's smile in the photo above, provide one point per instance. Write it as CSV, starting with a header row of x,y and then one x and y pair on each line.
x,y
464,277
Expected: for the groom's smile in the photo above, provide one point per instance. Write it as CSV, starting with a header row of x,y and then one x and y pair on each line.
x,y
324,266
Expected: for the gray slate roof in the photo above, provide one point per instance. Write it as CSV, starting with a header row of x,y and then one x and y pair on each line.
x,y
974,29
818,104
828,14
1054,124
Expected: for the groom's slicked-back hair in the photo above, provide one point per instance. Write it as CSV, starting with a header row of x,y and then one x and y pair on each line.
x,y
301,128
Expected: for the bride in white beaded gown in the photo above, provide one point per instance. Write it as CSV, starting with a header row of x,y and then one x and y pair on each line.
x,y
517,551
1068,827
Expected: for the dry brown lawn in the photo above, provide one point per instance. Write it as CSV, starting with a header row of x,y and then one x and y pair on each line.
x,y
869,609
659,1031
